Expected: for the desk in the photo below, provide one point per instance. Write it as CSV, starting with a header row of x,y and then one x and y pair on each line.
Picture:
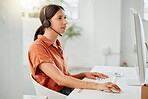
x,y
128,92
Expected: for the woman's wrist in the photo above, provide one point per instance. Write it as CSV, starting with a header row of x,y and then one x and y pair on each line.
x,y
91,85
95,86
84,74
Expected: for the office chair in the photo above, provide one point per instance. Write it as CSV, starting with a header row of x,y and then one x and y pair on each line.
x,y
43,91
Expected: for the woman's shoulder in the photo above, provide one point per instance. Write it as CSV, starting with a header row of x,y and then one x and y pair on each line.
x,y
35,45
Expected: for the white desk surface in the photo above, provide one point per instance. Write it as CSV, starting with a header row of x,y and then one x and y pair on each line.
x,y
128,92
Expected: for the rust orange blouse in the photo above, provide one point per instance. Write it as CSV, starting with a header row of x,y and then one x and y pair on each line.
x,y
42,50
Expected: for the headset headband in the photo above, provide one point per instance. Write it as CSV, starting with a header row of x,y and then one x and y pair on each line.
x,y
44,12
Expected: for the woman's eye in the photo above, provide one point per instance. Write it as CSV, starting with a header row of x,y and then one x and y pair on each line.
x,y
61,17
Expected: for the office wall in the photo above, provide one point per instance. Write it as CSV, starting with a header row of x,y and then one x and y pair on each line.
x,y
107,31
126,51
11,79
100,40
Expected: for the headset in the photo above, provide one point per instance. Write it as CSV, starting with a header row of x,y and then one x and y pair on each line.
x,y
47,23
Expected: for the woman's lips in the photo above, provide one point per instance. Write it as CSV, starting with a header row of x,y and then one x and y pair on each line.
x,y
64,28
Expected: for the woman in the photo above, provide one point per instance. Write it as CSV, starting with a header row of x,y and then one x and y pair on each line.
x,y
47,62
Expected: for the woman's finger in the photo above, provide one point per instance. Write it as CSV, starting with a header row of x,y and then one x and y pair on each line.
x,y
105,75
99,75
109,90
93,77
114,86
117,88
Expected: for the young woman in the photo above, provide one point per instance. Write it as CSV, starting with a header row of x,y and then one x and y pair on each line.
x,y
47,62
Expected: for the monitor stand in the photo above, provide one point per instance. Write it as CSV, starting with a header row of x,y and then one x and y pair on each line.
x,y
135,82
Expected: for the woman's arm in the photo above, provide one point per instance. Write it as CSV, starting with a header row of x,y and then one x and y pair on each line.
x,y
79,76
53,72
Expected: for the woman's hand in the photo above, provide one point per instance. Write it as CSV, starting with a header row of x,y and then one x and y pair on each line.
x,y
107,86
94,75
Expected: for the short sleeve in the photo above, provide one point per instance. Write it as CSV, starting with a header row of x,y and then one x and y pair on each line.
x,y
38,54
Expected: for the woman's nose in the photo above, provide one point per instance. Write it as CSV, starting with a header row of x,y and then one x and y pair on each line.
x,y
65,21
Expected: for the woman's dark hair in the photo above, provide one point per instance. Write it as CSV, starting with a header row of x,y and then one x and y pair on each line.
x,y
50,11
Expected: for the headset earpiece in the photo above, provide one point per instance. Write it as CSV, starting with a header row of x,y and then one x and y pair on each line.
x,y
46,23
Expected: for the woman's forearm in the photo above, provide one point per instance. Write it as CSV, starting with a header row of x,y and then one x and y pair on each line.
x,y
76,83
69,81
79,76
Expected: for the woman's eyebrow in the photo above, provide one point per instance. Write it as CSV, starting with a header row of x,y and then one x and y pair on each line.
x,y
61,15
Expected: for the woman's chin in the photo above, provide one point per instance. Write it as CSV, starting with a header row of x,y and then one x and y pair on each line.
x,y
63,32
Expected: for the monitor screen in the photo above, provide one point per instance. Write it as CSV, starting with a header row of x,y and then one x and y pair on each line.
x,y
138,43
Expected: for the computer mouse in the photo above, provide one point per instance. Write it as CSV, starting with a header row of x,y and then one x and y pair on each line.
x,y
114,91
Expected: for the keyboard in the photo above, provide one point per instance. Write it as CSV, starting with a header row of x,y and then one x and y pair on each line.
x,y
111,78
117,74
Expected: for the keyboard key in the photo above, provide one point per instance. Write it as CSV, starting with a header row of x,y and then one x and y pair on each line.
x,y
110,79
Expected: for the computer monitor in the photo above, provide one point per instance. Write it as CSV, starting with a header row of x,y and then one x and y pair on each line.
x,y
140,49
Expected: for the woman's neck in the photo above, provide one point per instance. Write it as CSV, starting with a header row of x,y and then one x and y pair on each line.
x,y
51,35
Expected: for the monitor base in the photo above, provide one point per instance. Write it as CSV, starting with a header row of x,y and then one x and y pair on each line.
x,y
134,82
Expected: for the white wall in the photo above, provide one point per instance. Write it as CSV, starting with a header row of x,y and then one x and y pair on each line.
x,y
11,83
95,17
106,36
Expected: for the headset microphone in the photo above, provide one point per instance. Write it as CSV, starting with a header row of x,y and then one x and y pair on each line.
x,y
55,31
47,23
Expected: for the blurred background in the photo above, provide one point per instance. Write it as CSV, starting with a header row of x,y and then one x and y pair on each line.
x,y
98,34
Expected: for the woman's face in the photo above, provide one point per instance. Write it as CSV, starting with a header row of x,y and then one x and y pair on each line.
x,y
58,21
